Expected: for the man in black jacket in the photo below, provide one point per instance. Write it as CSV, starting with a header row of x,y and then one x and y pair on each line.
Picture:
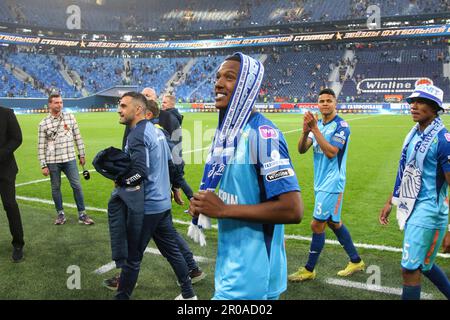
x,y
171,119
10,140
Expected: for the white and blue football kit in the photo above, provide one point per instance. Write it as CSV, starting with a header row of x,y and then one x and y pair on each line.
x,y
329,174
251,257
427,225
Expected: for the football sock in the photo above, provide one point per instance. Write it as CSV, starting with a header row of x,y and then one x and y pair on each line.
x,y
439,279
346,241
317,244
411,292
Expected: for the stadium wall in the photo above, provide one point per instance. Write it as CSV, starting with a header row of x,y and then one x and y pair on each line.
x,y
39,105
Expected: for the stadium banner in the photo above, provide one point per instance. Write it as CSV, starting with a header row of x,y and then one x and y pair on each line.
x,y
269,40
399,106
363,106
390,85
393,98
180,105
307,106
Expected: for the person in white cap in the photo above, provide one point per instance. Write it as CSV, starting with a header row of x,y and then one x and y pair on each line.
x,y
420,191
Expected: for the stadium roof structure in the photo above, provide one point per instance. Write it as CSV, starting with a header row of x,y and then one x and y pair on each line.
x,y
116,92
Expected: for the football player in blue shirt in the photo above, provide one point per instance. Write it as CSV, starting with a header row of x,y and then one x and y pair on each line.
x,y
329,138
420,191
258,193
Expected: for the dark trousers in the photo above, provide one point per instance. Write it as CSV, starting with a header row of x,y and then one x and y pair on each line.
x,y
8,195
160,228
125,218
186,252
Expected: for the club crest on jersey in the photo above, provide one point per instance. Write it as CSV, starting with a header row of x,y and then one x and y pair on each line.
x,y
267,132
447,137
344,124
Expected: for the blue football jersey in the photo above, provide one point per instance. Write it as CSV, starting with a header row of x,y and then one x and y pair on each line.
x,y
251,257
431,210
329,174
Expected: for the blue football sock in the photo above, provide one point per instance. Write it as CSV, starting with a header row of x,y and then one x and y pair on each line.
x,y
439,279
317,244
346,241
411,292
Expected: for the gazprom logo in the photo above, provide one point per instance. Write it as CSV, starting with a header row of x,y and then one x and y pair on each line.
x,y
390,85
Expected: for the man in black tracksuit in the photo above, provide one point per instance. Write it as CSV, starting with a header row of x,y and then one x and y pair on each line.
x,y
170,119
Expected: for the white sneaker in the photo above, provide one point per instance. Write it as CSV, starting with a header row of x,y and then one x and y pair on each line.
x,y
180,297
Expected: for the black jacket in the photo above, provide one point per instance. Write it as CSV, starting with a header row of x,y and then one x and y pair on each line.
x,y
10,140
170,120
112,163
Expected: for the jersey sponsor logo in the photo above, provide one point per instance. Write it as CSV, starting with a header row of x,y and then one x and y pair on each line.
x,y
275,155
344,124
339,137
133,179
447,137
276,163
228,198
267,132
280,174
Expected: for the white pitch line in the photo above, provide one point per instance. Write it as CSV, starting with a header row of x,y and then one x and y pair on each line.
x,y
112,265
70,205
287,236
371,287
32,182
196,258
105,268
195,150
45,179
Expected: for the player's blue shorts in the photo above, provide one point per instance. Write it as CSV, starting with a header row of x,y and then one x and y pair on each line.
x,y
328,206
420,247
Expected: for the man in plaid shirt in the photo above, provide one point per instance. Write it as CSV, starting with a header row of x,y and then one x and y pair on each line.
x,y
58,134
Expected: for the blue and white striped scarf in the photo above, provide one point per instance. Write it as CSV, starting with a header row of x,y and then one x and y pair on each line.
x,y
409,173
229,131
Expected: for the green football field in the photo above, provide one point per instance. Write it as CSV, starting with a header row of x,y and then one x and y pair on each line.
x,y
50,250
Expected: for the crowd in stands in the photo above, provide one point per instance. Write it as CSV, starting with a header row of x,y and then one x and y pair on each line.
x,y
293,74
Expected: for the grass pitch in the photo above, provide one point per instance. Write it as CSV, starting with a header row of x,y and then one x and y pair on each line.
x,y
374,150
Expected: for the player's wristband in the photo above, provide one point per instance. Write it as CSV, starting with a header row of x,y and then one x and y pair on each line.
x,y
449,228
